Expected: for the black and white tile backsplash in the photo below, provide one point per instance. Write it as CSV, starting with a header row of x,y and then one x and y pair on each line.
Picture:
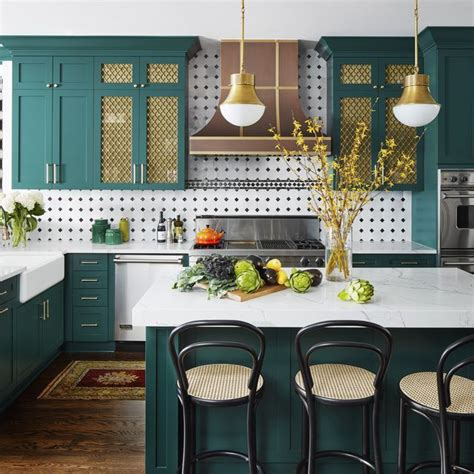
x,y
220,185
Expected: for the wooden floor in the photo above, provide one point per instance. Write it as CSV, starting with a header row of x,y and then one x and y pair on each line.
x,y
56,436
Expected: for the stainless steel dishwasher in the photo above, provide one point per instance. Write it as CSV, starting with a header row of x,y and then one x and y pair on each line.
x,y
134,274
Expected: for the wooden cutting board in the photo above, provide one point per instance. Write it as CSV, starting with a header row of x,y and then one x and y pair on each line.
x,y
241,296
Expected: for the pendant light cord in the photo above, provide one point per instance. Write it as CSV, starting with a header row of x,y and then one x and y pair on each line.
x,y
242,45
417,69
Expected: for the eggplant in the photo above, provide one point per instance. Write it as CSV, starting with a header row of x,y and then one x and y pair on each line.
x,y
270,276
316,275
257,261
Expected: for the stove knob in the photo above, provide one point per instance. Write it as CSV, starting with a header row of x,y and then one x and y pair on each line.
x,y
454,179
464,179
319,262
304,262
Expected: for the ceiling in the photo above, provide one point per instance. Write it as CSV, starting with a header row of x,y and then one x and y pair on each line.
x,y
293,19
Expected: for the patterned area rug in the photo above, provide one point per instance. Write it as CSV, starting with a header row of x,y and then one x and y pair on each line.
x,y
98,380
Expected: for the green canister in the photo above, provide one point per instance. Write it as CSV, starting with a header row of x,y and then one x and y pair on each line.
x,y
124,227
98,231
113,237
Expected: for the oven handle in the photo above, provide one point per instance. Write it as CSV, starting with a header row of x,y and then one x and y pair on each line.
x,y
460,196
151,259
458,264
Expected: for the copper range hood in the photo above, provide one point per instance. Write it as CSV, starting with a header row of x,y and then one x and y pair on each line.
x,y
275,65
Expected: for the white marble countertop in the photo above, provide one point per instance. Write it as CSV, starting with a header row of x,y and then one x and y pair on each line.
x,y
408,247
404,298
10,271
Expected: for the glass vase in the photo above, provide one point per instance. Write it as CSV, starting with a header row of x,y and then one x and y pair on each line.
x,y
338,254
19,233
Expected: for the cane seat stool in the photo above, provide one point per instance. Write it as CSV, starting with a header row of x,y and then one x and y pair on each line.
x,y
341,385
443,398
217,385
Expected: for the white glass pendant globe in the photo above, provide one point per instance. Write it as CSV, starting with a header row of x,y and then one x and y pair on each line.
x,y
416,115
242,115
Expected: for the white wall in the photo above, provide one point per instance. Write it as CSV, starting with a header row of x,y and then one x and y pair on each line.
x,y
300,19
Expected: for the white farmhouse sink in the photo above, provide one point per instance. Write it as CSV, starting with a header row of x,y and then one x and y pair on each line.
x,y
43,270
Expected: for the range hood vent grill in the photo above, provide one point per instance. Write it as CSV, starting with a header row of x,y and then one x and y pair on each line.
x,y
275,65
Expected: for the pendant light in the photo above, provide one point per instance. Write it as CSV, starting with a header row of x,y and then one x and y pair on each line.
x,y
416,106
242,107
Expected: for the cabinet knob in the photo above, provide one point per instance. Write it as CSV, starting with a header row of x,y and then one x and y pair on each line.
x,y
136,86
382,87
374,87
49,85
142,86
55,85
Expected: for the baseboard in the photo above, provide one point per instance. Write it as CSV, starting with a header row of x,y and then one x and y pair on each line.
x,y
129,346
89,347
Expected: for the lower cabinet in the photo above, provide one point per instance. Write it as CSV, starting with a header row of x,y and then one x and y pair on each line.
x,y
7,372
394,260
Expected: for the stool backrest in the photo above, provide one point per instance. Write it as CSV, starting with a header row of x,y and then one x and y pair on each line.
x,y
178,356
382,353
445,376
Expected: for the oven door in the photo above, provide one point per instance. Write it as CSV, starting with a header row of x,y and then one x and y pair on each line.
x,y
457,220
462,262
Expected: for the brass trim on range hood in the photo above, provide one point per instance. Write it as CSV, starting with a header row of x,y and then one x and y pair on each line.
x,y
275,65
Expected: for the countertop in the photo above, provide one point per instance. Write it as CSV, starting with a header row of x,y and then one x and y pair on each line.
x,y
184,248
404,298
10,271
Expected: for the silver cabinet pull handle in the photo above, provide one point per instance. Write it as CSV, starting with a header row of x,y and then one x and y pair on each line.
x,y
409,263
47,309
47,173
134,173
54,174
458,264
360,263
3,293
142,173
89,298
89,280
465,195
89,325
43,316
89,262
4,310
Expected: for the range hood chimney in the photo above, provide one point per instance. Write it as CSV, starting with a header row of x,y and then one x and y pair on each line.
x,y
275,65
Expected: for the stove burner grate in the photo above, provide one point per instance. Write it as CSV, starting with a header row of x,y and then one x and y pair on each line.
x,y
275,244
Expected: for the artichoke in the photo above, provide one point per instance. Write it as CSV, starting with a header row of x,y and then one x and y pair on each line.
x,y
359,291
300,281
242,266
249,281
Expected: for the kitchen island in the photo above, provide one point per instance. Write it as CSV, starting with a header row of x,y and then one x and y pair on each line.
x,y
426,309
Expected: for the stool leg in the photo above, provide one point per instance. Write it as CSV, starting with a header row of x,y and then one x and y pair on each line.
x,y
456,442
376,435
311,409
402,438
193,438
366,436
251,437
187,434
305,435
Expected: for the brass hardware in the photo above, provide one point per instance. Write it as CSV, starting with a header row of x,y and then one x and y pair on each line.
x,y
162,73
48,86
3,293
89,280
116,139
383,174
89,262
89,298
47,309
116,73
89,325
409,263
43,317
142,173
356,74
360,263
4,310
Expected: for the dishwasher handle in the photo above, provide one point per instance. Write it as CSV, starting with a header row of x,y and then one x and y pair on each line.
x,y
161,259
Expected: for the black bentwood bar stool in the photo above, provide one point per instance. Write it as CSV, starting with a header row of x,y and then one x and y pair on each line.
x,y
341,385
218,385
442,398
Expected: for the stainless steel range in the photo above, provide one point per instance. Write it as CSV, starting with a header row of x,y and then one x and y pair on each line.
x,y
293,240
456,218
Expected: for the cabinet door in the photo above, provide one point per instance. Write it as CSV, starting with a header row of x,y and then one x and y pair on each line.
x,y
70,72
28,337
358,74
53,325
7,375
32,139
121,73
116,140
162,140
456,117
163,73
351,108
73,146
34,72
405,137
392,72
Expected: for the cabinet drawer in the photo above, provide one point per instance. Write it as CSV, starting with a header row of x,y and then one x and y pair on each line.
x,y
89,279
365,261
89,297
7,290
90,262
90,324
411,261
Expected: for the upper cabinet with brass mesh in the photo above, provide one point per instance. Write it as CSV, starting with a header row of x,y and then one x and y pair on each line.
x,y
365,77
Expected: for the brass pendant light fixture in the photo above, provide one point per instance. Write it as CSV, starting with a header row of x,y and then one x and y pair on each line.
x,y
242,107
416,107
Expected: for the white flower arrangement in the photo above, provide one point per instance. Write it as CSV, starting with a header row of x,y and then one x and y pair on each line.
x,y
19,212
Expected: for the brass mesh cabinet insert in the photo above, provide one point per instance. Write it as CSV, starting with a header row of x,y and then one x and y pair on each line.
x,y
364,83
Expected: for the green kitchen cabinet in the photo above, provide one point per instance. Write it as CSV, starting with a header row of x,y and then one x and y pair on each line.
x,y
394,260
365,75
52,139
52,322
7,372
